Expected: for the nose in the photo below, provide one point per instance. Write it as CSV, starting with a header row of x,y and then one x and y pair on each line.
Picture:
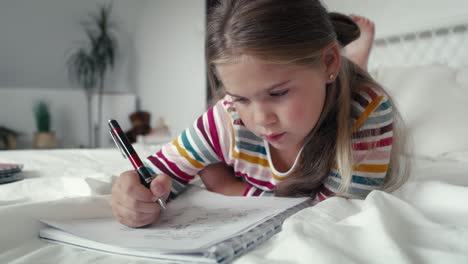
x,y
264,115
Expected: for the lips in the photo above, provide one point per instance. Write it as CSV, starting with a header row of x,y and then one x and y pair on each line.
x,y
274,137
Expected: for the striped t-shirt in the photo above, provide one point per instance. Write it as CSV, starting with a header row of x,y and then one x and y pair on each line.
x,y
220,136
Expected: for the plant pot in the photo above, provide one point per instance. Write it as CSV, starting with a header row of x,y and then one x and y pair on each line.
x,y
45,140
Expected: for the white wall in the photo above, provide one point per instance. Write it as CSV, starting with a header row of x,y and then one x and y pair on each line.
x,y
66,119
37,37
397,16
161,58
171,76
68,114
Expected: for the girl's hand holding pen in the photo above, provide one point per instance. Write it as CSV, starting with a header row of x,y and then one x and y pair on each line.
x,y
133,204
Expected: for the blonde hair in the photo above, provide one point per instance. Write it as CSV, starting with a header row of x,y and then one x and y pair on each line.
x,y
296,32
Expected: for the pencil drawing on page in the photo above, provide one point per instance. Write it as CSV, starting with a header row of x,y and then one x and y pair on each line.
x,y
194,222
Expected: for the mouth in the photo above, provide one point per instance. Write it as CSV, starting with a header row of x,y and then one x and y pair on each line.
x,y
274,137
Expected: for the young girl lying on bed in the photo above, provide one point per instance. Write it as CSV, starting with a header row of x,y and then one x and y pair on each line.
x,y
296,118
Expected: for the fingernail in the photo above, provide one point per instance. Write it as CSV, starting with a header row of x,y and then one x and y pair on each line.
x,y
159,190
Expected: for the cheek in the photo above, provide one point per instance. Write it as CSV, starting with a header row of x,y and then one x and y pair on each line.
x,y
297,113
306,114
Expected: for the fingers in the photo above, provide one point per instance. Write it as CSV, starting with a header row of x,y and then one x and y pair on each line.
x,y
161,186
132,203
130,183
131,218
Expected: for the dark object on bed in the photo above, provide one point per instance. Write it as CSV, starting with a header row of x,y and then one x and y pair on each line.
x,y
140,125
10,172
8,138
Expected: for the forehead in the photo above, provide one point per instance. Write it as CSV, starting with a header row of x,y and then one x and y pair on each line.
x,y
251,73
249,65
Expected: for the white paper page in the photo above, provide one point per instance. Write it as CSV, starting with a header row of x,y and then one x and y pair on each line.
x,y
194,220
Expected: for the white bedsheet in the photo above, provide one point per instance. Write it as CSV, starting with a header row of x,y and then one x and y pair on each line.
x,y
57,174
426,221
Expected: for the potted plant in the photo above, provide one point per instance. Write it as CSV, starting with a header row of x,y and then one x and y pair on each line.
x,y
89,63
44,137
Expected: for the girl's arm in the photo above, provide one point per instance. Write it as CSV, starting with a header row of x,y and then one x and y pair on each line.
x,y
202,149
207,142
220,178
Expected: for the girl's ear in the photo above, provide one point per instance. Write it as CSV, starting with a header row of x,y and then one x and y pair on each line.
x,y
331,62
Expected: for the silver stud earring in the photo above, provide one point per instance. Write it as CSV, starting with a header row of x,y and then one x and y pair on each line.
x,y
331,76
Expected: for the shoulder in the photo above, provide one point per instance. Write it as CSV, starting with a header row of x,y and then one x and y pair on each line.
x,y
370,105
226,105
369,97
229,121
221,113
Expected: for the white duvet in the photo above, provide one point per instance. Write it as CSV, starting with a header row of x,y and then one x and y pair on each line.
x,y
426,221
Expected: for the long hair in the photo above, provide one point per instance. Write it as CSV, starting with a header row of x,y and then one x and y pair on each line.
x,y
296,32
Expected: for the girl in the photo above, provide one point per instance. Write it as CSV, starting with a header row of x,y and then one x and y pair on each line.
x,y
295,117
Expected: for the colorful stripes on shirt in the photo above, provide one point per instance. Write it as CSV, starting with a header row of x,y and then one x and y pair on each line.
x,y
219,135
372,144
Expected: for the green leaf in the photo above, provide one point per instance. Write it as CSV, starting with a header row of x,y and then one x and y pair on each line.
x,y
88,65
42,115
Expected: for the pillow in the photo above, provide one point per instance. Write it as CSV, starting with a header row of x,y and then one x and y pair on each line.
x,y
433,101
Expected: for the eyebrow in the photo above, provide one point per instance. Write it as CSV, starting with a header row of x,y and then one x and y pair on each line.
x,y
265,90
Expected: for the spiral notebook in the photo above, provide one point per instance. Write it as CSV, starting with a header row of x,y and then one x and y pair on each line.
x,y
199,226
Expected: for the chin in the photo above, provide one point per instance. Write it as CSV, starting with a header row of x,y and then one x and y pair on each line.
x,y
278,146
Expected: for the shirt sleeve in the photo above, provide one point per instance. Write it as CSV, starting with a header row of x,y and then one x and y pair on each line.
x,y
371,149
255,191
195,148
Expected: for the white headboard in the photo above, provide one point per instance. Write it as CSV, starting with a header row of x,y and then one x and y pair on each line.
x,y
426,73
441,45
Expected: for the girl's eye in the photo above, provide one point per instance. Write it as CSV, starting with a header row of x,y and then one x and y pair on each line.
x,y
241,100
279,93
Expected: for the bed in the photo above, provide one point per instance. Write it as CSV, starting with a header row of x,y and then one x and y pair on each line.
x,y
425,221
